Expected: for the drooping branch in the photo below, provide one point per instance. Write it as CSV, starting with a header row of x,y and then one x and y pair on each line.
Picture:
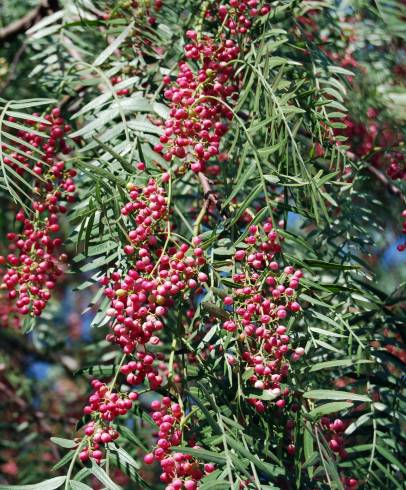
x,y
209,195
208,192
393,189
13,67
19,26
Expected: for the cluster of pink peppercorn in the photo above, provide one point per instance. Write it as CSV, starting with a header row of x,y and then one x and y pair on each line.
x,y
334,433
402,246
104,406
141,299
180,471
200,99
33,264
266,296
237,15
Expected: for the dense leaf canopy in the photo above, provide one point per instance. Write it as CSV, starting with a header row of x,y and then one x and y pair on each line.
x,y
202,281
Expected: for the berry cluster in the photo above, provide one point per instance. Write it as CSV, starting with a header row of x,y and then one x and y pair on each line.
x,y
334,431
200,99
34,264
194,130
147,207
179,471
371,138
236,14
265,298
104,406
140,299
117,80
141,9
375,140
402,246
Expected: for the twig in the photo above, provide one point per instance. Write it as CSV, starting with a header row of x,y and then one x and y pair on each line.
x,y
214,310
393,189
208,195
19,26
208,192
12,70
199,219
17,344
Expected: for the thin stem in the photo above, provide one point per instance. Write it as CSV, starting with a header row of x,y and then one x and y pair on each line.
x,y
168,236
113,382
196,226
72,463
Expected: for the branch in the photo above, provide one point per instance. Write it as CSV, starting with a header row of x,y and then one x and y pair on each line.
x,y
214,310
208,192
393,189
208,195
19,26
14,343
13,67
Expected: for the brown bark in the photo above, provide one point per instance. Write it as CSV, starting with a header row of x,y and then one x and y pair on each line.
x,y
44,8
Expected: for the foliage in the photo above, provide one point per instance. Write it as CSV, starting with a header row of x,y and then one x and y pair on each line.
x,y
305,192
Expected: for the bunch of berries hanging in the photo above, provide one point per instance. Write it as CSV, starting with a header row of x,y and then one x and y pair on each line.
x,y
206,88
141,297
180,471
33,264
104,406
402,247
266,296
334,434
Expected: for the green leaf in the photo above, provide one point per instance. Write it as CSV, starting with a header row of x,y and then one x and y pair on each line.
x,y
320,264
308,448
65,460
124,457
122,460
358,422
202,454
92,169
335,395
103,477
267,468
247,201
273,179
98,370
239,185
45,485
327,333
329,408
113,46
260,394
390,457
215,426
145,127
66,443
131,437
215,485
126,165
338,363
78,485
